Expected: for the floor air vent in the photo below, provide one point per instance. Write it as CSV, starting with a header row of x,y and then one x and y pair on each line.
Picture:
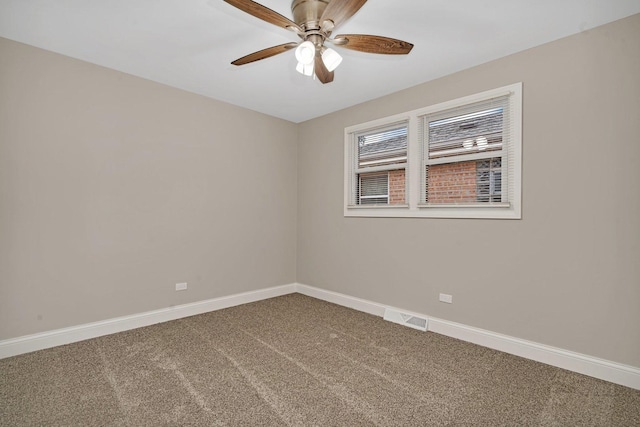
x,y
415,322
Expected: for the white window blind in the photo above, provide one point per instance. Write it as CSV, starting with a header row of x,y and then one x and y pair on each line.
x,y
374,188
466,154
379,168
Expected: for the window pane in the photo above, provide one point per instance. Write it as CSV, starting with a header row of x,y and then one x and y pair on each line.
x,y
476,181
464,151
385,147
452,183
397,187
489,180
373,188
465,134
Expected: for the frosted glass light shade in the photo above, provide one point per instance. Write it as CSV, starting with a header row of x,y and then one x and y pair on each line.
x,y
331,59
305,52
306,69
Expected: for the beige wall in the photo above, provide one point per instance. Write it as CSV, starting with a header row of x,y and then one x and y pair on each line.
x,y
114,188
568,273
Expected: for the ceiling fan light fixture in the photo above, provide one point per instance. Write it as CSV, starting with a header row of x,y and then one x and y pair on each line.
x,y
306,69
314,21
331,59
305,52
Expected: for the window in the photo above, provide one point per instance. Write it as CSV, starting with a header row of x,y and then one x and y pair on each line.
x,y
379,164
459,159
464,152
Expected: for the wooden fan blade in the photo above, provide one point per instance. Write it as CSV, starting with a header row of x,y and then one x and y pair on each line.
x,y
264,53
373,44
339,11
264,13
324,75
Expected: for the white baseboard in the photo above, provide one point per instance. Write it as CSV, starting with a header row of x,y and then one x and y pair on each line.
x,y
40,341
599,368
614,372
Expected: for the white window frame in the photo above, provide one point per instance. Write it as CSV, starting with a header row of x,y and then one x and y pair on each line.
x,y
352,148
413,170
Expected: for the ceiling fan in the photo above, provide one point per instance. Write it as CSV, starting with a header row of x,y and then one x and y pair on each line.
x,y
315,20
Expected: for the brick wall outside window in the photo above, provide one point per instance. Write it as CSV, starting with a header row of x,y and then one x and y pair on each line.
x,y
397,187
452,183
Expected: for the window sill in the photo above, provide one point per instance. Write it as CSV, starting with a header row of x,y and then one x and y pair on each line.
x,y
377,206
505,211
464,205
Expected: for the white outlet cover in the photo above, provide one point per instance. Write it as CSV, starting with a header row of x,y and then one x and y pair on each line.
x,y
446,298
181,286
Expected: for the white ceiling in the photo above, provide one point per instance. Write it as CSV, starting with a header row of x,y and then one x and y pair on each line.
x,y
189,44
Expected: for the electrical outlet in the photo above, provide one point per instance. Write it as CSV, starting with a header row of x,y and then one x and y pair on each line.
x,y
446,298
181,286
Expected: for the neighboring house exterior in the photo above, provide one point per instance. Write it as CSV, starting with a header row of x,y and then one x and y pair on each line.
x,y
383,187
450,177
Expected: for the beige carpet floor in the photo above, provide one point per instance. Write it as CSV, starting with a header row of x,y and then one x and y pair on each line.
x,y
297,361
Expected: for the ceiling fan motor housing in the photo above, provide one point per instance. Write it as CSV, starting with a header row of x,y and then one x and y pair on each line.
x,y
307,13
